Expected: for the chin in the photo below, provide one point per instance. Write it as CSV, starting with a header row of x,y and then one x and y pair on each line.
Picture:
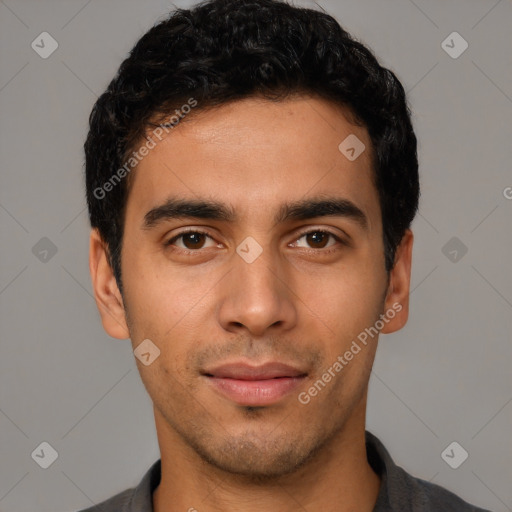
x,y
258,458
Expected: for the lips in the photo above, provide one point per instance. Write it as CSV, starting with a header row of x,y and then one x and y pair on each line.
x,y
243,371
249,385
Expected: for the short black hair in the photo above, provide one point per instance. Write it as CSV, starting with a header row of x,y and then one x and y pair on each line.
x,y
226,50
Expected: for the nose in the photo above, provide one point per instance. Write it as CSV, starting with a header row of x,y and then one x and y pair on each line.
x,y
257,296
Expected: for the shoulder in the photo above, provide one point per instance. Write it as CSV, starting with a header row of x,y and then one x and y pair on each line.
x,y
425,496
117,503
135,499
401,491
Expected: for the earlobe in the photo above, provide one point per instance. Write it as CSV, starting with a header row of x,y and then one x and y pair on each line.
x,y
106,292
397,297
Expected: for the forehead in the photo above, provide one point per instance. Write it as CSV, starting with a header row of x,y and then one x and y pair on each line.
x,y
255,154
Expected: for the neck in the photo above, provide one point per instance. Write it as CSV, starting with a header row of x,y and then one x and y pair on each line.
x,y
338,478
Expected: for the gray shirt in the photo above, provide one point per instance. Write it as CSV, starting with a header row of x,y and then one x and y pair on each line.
x,y
399,491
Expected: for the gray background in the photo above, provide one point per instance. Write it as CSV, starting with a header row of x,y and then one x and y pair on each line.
x,y
445,377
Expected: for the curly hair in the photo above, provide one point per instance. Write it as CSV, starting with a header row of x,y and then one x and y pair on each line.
x,y
226,50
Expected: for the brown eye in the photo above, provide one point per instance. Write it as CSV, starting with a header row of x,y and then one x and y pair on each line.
x,y
317,239
191,240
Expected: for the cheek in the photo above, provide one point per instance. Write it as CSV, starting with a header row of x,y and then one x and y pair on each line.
x,y
346,299
346,306
161,297
169,388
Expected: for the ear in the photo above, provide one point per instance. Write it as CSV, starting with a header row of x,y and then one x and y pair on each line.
x,y
397,296
106,293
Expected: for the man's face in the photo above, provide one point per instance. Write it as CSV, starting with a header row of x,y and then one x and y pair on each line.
x,y
205,302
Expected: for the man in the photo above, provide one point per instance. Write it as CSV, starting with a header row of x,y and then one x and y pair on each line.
x,y
252,177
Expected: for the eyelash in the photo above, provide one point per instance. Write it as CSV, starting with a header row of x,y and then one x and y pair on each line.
x,y
328,250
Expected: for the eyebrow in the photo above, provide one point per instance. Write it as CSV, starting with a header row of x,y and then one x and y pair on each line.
x,y
175,208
